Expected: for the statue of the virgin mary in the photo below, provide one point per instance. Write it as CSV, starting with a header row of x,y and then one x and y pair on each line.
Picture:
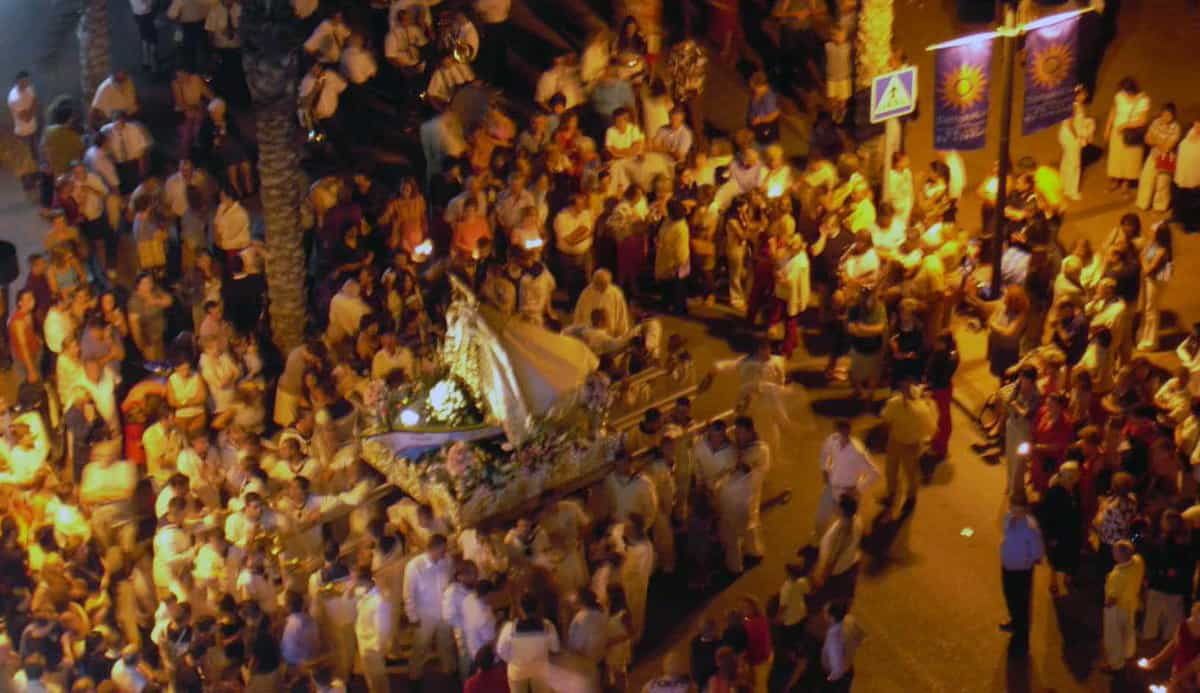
x,y
523,371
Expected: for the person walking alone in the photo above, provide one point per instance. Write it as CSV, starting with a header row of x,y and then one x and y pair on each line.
x,y
1020,550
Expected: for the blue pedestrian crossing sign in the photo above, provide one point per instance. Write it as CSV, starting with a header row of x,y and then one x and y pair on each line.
x,y
894,94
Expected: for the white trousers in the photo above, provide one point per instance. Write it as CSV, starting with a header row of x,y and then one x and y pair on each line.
x,y
1120,637
1151,298
1070,170
431,639
1154,186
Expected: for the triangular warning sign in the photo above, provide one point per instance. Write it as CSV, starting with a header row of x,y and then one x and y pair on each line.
x,y
895,97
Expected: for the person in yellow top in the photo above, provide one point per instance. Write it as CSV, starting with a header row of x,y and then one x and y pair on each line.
x,y
672,259
910,419
1122,595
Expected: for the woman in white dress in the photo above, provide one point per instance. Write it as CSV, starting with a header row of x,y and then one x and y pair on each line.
x,y
1129,114
1074,134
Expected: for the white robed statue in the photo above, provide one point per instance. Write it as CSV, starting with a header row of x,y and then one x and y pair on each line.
x,y
523,371
766,397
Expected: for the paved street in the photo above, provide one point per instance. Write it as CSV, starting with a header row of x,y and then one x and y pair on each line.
x,y
930,597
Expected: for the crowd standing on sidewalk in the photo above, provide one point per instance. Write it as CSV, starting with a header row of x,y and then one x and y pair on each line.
x,y
166,472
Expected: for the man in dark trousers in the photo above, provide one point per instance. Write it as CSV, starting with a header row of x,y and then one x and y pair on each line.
x,y
1020,550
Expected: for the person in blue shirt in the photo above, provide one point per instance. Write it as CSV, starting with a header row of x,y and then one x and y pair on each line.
x,y
763,114
1020,550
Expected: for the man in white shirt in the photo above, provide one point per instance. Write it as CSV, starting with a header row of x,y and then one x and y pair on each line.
x,y
374,626
574,230
629,493
101,162
453,600
176,187
328,39
23,105
846,467
426,578
173,550
479,621
404,41
90,194
561,78
116,93
230,225
623,141
320,91
129,145
448,76
358,63
535,291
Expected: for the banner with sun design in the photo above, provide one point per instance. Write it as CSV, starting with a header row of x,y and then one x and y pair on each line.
x,y
962,78
1051,54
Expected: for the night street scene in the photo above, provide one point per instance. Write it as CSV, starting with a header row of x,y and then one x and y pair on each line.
x,y
592,346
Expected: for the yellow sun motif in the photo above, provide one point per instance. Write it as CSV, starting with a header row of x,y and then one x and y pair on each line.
x,y
964,87
1052,65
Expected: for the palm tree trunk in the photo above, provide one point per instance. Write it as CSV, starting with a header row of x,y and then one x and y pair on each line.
x,y
874,51
269,39
282,191
95,47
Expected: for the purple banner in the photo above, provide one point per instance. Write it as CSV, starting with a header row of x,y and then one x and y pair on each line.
x,y
1051,54
962,78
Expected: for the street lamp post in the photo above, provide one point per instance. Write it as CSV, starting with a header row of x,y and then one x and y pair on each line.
x,y
1008,46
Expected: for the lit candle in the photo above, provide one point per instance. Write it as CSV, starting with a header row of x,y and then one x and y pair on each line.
x,y
408,417
425,248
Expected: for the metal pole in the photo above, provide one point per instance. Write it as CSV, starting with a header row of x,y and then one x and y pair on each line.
x,y
1008,43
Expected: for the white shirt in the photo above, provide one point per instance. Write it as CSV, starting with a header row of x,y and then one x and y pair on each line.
x,y
141,7
358,65
847,465
21,101
112,97
527,653
792,606
566,223
587,635
128,142
374,624
90,195
219,22
175,190
402,45
327,41
331,85
478,623
102,164
446,79
231,227
615,139
712,465
425,582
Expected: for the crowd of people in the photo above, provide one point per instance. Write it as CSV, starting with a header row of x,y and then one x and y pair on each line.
x,y
185,506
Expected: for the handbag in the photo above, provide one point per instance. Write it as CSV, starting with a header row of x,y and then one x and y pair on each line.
x,y
1134,137
1165,163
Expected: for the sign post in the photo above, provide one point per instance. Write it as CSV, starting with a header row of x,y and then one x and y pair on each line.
x,y
894,94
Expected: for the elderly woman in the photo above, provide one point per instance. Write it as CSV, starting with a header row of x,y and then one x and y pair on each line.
x,y
1125,134
1061,518
346,312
